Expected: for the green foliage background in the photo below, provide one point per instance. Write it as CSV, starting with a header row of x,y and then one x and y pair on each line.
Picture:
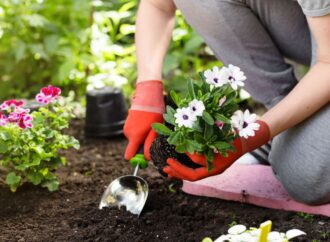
x,y
76,44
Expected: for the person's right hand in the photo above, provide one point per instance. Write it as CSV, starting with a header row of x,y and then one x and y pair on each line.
x,y
176,169
147,108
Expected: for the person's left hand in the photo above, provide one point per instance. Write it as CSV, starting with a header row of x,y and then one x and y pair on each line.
x,y
177,170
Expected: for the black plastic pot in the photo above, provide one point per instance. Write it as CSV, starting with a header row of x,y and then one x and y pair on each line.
x,y
106,112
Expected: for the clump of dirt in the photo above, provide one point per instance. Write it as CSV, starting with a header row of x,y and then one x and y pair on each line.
x,y
72,214
161,150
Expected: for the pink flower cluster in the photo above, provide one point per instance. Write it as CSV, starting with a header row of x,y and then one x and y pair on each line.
x,y
48,94
15,114
12,111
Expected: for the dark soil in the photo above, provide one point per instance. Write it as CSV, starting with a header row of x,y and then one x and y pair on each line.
x,y
71,214
161,150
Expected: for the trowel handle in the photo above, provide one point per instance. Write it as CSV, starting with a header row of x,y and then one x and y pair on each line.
x,y
138,160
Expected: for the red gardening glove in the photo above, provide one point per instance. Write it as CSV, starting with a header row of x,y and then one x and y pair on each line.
x,y
220,163
147,108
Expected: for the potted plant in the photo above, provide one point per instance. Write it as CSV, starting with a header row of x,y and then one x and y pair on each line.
x,y
30,141
205,121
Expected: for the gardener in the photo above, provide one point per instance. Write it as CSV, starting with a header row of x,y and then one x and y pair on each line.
x,y
255,35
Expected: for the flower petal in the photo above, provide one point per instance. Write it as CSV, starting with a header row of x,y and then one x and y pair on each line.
x,y
237,229
294,233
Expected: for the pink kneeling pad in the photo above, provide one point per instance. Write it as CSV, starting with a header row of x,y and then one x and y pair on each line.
x,y
254,184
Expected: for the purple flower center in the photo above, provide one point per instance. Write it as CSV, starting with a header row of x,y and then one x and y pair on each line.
x,y
194,108
245,124
230,78
215,80
185,117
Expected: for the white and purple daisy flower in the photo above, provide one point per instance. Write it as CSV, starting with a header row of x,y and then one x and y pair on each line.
x,y
245,123
197,107
184,117
233,75
214,77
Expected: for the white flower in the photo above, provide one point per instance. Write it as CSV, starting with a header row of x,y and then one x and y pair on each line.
x,y
197,107
237,229
184,117
245,123
275,237
233,75
239,233
214,78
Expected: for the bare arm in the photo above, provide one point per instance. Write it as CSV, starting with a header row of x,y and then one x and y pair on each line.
x,y
312,92
155,22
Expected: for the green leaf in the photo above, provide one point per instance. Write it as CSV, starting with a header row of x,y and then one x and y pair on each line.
x,y
230,97
13,181
171,62
51,185
196,146
39,150
208,118
51,43
35,20
65,69
193,43
75,143
169,118
20,50
222,146
209,159
197,127
127,29
181,148
201,75
191,89
199,138
161,129
208,131
175,97
35,178
4,135
175,138
3,147
170,110
190,147
222,118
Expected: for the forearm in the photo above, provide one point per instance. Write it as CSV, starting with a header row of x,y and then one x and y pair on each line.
x,y
154,25
310,94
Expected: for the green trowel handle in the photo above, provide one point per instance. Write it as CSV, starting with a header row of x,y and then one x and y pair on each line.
x,y
139,159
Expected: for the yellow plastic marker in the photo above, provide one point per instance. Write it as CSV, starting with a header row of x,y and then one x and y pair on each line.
x,y
265,228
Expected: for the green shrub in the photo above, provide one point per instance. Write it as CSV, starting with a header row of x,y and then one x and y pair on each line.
x,y
42,42
74,44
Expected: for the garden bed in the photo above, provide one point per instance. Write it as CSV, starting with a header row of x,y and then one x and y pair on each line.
x,y
71,214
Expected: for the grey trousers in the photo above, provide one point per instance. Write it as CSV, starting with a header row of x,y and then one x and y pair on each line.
x,y
257,35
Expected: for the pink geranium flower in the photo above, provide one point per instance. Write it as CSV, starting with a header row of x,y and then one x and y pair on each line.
x,y
3,119
11,104
16,115
48,94
25,121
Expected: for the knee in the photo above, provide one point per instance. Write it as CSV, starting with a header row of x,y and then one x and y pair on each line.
x,y
312,194
306,184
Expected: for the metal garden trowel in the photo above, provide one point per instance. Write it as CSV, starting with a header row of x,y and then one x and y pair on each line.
x,y
130,191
